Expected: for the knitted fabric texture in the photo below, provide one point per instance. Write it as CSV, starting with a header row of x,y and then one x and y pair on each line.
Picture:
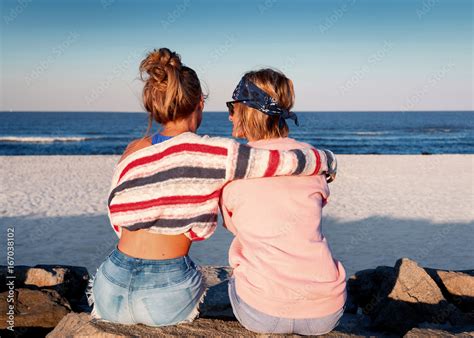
x,y
173,187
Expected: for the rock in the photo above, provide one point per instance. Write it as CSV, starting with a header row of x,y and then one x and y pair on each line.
x,y
459,318
361,286
355,325
80,324
42,277
216,307
69,281
404,300
430,333
396,317
47,275
414,285
457,287
216,303
75,325
414,298
34,308
398,299
351,305
364,288
35,332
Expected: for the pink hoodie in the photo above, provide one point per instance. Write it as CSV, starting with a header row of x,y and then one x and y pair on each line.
x,y
282,263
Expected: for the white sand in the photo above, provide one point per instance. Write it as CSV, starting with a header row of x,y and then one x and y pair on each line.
x,y
382,207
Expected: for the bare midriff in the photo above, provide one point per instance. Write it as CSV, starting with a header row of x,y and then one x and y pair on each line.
x,y
147,245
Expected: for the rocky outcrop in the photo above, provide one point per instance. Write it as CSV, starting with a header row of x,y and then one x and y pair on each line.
x,y
42,296
35,311
68,281
38,308
386,301
398,299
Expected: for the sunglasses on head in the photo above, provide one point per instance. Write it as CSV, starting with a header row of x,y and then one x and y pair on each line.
x,y
230,105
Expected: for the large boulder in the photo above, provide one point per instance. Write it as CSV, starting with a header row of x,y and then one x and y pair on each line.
x,y
414,298
413,285
400,298
69,281
35,311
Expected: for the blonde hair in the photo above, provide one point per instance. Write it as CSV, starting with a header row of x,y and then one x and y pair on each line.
x,y
172,91
253,123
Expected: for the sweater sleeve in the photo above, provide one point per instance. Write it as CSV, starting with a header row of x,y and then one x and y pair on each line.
x,y
249,162
243,161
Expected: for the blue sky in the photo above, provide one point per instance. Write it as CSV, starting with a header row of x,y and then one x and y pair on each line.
x,y
348,55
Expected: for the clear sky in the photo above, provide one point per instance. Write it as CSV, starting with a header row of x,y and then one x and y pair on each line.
x,y
341,54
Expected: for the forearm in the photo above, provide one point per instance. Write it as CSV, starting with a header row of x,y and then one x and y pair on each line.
x,y
257,163
242,161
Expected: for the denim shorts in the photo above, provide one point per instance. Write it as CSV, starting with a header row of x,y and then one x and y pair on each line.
x,y
257,321
131,290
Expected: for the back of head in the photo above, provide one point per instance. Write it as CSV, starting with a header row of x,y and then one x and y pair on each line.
x,y
257,125
172,91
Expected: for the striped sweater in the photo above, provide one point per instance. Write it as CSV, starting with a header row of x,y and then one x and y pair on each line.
x,y
173,187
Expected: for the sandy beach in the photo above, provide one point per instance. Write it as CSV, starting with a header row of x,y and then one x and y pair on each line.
x,y
382,207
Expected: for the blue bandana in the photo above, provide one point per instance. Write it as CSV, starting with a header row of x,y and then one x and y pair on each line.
x,y
252,96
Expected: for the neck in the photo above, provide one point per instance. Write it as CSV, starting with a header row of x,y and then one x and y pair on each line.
x,y
251,139
174,128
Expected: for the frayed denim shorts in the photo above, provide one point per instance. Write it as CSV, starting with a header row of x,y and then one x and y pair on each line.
x,y
131,290
257,321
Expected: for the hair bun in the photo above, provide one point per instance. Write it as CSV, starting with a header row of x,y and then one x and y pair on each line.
x,y
160,63
171,91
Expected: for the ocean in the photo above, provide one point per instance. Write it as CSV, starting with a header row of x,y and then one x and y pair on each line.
x,y
88,133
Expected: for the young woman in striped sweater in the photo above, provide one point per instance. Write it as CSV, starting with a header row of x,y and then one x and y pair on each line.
x,y
285,279
165,193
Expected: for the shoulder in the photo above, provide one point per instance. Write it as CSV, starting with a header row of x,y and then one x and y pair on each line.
x,y
136,145
214,141
284,143
300,145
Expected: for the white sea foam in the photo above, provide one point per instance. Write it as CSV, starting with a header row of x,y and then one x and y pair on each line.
x,y
42,139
